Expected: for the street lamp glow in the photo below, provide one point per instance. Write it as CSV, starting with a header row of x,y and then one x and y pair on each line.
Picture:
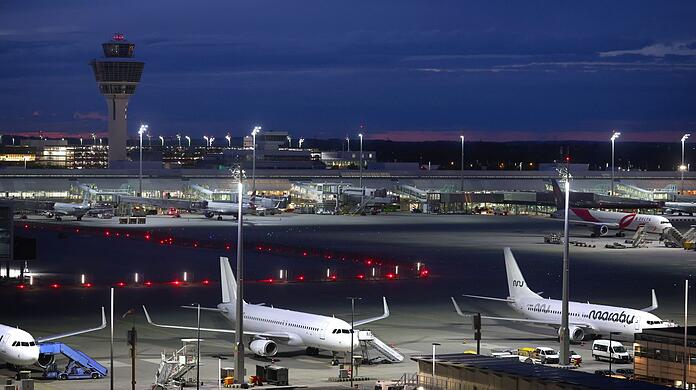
x,y
207,140
301,141
685,137
362,189
178,138
211,140
189,140
161,139
462,166
229,140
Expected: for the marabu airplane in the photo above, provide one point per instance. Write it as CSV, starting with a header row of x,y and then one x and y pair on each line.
x,y
266,326
585,319
600,222
19,349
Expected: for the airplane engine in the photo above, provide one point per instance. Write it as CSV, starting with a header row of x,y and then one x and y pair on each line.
x,y
599,230
577,334
264,347
45,360
208,214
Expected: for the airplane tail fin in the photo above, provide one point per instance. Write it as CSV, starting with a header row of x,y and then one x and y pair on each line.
x,y
228,282
558,194
516,284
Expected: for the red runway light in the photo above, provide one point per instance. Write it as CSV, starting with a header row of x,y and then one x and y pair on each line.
x,y
148,284
424,273
121,284
300,278
147,236
26,226
360,276
304,253
107,233
21,286
332,277
77,230
55,285
369,262
127,235
118,234
390,276
195,245
87,285
227,247
205,282
176,283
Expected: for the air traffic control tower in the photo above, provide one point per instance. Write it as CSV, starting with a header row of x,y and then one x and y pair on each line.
x,y
117,75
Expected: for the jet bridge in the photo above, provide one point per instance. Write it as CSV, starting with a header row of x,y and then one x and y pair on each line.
x,y
375,350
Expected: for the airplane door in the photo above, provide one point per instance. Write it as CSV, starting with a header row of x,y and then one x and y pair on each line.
x,y
322,332
637,323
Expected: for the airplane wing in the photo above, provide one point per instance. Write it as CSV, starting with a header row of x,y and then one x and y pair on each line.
x,y
373,319
487,298
273,336
526,320
612,225
215,309
75,333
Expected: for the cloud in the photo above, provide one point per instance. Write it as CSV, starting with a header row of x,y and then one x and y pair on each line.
x,y
90,116
686,48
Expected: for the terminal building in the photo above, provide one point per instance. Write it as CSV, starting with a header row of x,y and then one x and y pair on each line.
x,y
659,356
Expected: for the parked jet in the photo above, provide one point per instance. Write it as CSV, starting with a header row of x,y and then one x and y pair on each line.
x,y
266,326
600,222
584,318
18,348
680,207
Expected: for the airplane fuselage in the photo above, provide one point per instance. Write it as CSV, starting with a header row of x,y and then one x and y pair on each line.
x,y
17,347
304,329
600,318
616,220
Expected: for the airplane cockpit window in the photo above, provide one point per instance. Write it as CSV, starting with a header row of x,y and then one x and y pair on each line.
x,y
345,330
32,343
15,343
25,343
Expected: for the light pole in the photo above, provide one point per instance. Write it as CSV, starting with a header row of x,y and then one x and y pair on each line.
x,y
143,129
198,346
80,141
613,138
300,142
348,141
149,140
257,129
434,345
162,139
189,140
229,140
211,140
178,139
362,189
239,320
462,167
100,141
564,331
352,335
94,139
611,350
207,140
682,167
289,142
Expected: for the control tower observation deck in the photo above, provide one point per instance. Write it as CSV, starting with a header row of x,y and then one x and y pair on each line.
x,y
117,74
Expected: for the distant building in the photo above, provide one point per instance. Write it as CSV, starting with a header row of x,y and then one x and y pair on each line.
x,y
659,356
53,153
348,159
117,75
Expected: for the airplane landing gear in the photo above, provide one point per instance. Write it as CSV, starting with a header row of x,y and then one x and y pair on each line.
x,y
311,351
334,359
219,218
79,218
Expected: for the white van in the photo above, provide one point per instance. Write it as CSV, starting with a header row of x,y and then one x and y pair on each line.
x,y
618,353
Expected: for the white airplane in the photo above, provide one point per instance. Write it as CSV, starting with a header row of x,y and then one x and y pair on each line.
x,y
224,208
680,207
600,222
584,318
18,348
77,210
265,326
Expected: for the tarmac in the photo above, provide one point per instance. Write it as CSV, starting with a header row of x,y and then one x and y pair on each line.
x,y
462,252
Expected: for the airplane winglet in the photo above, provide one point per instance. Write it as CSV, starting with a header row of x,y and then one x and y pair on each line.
x,y
654,305
373,319
147,316
456,307
386,307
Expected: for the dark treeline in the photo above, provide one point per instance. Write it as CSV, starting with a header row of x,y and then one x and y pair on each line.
x,y
446,154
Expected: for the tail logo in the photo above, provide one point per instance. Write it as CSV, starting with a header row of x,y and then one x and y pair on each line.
x,y
518,283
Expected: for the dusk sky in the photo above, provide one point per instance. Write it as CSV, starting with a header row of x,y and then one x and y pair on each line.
x,y
408,70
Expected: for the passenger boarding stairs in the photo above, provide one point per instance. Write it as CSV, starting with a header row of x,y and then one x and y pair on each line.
x,y
76,357
375,350
673,238
638,238
173,368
